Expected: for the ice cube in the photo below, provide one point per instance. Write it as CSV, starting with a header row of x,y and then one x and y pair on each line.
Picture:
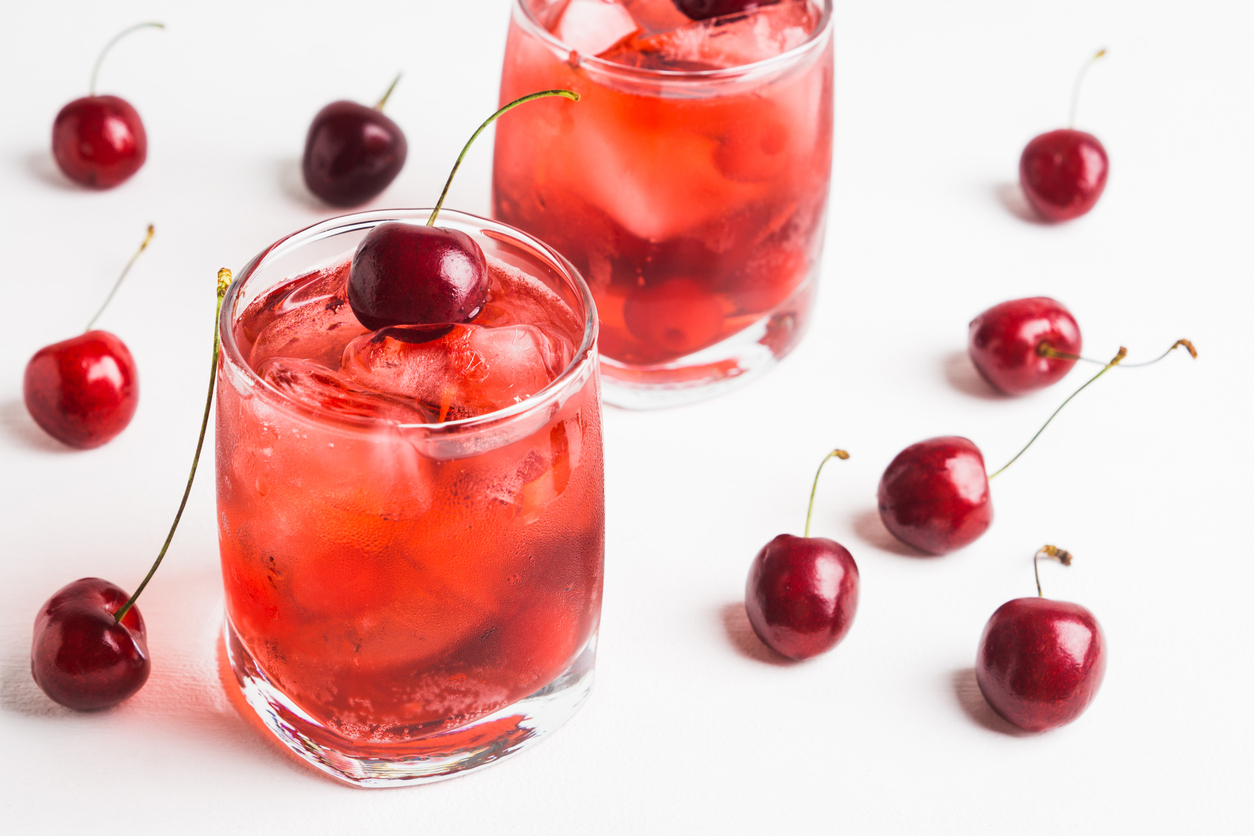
x,y
724,42
591,27
310,320
516,298
655,16
470,371
320,388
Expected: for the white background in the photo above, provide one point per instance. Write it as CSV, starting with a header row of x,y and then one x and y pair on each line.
x,y
692,727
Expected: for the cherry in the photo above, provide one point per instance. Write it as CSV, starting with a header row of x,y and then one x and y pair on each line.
x,y
934,495
99,141
82,656
706,9
802,592
1063,172
1040,662
404,274
353,152
83,391
1015,346
90,648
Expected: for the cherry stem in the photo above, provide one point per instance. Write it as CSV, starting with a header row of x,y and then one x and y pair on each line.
x,y
1075,92
1118,358
1061,555
569,94
224,281
95,70
118,283
391,87
835,454
1047,350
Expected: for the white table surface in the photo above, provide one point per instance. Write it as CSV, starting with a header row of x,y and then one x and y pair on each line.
x,y
692,727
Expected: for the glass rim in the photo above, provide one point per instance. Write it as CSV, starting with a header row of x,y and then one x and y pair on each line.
x,y
584,354
693,77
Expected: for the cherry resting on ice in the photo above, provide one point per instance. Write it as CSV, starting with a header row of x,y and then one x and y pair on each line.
x,y
705,9
802,592
1040,662
90,648
99,141
934,494
403,274
1063,172
1016,346
83,391
353,152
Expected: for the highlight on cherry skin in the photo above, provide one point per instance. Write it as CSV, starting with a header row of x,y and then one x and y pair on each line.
x,y
1041,662
424,275
1021,345
1063,172
89,649
99,141
83,391
802,592
353,152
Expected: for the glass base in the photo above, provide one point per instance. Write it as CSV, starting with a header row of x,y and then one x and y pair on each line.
x,y
742,357
438,757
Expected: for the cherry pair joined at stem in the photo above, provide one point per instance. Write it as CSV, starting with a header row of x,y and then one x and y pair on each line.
x,y
90,647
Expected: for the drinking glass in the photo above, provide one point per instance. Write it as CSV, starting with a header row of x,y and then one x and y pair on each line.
x,y
406,599
689,185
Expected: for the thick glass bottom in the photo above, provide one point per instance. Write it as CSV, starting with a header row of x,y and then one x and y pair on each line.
x,y
435,758
742,357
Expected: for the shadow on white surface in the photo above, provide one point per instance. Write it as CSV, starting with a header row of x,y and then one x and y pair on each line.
x,y
740,634
16,423
40,166
869,528
977,709
1010,196
291,184
962,375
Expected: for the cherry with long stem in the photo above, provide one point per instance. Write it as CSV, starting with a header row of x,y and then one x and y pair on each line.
x,y
426,277
802,592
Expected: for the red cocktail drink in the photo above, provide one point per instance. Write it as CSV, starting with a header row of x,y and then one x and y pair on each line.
x,y
411,529
689,185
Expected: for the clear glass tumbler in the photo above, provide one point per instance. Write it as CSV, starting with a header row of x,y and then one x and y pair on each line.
x,y
409,594
689,185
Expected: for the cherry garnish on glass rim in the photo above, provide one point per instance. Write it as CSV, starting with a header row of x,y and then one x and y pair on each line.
x,y
89,649
99,141
84,391
1040,662
353,152
1063,172
802,592
706,9
426,276
934,495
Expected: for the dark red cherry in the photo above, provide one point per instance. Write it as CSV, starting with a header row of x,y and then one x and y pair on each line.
x,y
1006,344
83,657
1040,662
82,391
1063,173
802,594
934,495
352,153
408,274
99,141
705,9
